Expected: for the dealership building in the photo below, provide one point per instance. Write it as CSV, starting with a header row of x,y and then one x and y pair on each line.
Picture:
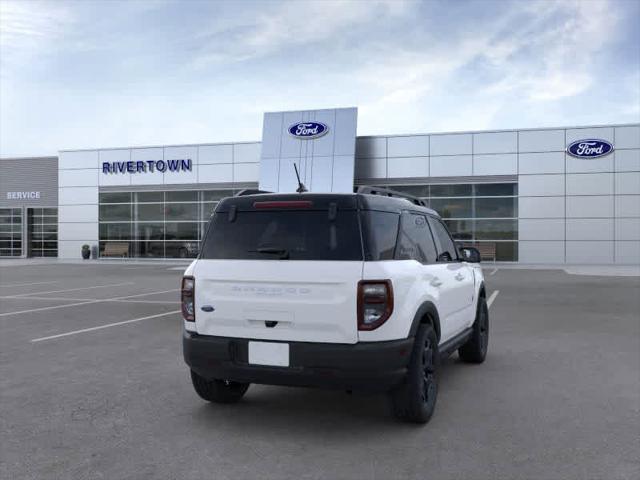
x,y
544,195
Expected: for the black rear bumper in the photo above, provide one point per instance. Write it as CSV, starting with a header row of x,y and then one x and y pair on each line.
x,y
373,366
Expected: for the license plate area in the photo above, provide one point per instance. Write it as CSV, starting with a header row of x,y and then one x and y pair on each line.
x,y
269,353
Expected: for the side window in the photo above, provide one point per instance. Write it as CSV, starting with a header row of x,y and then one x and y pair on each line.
x,y
414,239
445,244
380,230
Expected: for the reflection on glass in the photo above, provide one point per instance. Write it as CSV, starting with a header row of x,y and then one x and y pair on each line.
x,y
115,231
496,189
154,197
456,190
149,212
452,207
115,212
116,197
188,196
181,211
181,231
149,231
460,229
496,229
496,207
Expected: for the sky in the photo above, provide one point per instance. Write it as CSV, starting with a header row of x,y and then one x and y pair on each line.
x,y
85,74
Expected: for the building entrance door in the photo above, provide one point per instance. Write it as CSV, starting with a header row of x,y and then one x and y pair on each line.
x,y
42,232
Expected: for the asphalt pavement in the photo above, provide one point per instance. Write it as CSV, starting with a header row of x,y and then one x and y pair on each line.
x,y
93,385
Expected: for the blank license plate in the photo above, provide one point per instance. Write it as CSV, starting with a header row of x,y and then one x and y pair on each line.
x,y
267,353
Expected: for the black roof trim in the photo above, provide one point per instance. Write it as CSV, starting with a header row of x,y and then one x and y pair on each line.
x,y
323,201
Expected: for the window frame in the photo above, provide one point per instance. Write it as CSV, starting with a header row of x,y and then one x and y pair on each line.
x,y
426,216
439,249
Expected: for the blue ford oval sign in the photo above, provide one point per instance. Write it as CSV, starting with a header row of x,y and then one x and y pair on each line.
x,y
590,148
308,130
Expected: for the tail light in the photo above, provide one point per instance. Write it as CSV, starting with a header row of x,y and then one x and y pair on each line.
x,y
375,303
188,295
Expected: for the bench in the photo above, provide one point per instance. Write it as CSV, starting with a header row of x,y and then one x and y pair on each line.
x,y
487,250
116,250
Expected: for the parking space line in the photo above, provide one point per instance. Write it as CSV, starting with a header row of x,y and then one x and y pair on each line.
x,y
84,330
67,299
493,272
87,302
144,294
41,309
492,297
75,289
25,284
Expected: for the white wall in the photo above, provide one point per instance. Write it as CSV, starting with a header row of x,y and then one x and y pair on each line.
x,y
80,177
570,210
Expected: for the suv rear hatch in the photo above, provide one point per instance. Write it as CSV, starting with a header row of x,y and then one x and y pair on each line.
x,y
281,267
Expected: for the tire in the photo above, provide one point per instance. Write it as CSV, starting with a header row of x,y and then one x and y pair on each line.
x,y
475,350
415,400
218,391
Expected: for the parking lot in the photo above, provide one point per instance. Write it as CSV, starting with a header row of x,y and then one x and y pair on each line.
x,y
93,385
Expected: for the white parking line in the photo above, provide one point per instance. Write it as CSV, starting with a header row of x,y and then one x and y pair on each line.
x,y
493,272
67,299
103,326
492,297
87,302
75,289
25,284
41,309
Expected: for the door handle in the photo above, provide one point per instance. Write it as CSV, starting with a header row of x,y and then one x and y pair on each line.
x,y
435,282
459,277
207,308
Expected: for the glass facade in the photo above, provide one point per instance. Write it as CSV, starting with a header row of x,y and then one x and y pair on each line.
x,y
156,224
42,228
484,215
10,232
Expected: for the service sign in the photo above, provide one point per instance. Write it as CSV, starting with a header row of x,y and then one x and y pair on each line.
x,y
589,148
23,195
308,130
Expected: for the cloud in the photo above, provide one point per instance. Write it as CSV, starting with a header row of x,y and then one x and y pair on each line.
x,y
117,73
532,53
287,25
28,27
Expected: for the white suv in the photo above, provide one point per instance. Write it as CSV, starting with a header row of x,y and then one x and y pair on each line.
x,y
363,291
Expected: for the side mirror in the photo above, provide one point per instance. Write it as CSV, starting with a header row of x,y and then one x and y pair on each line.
x,y
470,254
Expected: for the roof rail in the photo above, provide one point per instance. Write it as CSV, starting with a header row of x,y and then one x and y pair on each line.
x,y
250,191
385,192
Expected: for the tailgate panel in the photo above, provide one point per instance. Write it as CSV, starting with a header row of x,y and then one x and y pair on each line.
x,y
283,300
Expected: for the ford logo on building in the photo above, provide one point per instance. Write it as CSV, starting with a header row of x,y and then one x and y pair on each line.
x,y
308,130
590,148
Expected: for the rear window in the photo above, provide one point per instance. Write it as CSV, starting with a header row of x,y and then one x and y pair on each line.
x,y
283,235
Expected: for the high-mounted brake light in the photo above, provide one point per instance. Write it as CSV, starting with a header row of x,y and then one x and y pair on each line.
x,y
187,300
375,303
283,204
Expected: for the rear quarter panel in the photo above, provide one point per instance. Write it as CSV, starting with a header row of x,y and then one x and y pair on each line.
x,y
411,288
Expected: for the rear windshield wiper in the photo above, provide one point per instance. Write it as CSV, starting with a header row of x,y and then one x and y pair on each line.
x,y
283,252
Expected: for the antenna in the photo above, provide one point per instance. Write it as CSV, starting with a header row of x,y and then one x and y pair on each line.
x,y
301,188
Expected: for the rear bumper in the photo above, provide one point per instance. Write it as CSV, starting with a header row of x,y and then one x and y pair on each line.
x,y
375,366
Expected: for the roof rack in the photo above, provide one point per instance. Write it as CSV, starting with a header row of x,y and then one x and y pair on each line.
x,y
385,192
250,191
